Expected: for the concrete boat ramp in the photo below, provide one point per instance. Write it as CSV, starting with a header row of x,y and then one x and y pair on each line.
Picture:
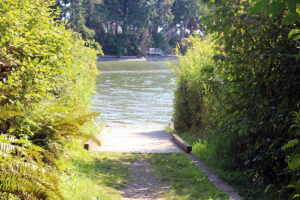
x,y
135,140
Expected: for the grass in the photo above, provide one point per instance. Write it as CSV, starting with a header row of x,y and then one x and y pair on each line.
x,y
185,180
93,175
99,175
238,179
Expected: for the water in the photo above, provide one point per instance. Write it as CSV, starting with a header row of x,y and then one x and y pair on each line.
x,y
137,93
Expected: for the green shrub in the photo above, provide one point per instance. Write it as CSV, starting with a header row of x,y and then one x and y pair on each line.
x,y
47,71
47,77
260,76
195,79
243,100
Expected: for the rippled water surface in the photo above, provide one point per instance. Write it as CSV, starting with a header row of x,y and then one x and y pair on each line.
x,y
138,93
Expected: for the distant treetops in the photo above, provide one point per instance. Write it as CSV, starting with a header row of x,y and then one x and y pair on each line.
x,y
132,26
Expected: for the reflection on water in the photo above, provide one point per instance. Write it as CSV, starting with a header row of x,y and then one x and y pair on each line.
x,y
138,93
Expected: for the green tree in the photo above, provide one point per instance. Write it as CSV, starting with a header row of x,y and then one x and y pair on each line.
x,y
130,27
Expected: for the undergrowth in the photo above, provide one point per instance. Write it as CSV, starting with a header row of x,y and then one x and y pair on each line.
x,y
92,175
185,180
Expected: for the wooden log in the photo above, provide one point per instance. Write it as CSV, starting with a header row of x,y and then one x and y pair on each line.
x,y
185,146
86,146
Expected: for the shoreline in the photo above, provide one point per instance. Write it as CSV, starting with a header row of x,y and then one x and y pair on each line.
x,y
135,58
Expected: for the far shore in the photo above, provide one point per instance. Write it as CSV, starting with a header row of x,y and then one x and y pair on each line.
x,y
136,58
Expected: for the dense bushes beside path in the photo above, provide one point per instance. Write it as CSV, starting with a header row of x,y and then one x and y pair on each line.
x,y
194,73
245,104
47,77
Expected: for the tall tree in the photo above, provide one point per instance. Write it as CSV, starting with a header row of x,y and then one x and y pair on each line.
x,y
131,26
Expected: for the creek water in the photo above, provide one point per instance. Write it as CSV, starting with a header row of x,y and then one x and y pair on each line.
x,y
136,93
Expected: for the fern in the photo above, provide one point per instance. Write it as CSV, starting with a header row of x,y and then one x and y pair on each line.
x,y
23,173
59,123
9,111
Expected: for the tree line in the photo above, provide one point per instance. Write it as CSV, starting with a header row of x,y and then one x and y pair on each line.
x,y
130,27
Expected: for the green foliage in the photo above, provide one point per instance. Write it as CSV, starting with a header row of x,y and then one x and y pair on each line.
x,y
287,11
94,176
131,26
292,152
194,81
186,181
23,173
246,95
275,8
119,44
47,74
158,41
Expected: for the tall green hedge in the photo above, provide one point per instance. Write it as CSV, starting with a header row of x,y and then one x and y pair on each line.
x,y
247,101
47,76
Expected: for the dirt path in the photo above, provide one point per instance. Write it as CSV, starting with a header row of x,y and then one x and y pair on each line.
x,y
144,184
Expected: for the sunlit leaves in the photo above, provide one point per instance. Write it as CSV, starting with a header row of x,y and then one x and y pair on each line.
x,y
293,33
43,65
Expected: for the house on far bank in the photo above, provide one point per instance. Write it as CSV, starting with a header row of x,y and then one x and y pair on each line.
x,y
156,52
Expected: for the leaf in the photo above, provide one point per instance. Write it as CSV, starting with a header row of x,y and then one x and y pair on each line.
x,y
291,186
294,163
290,18
276,8
290,144
292,5
267,188
297,37
2,6
296,195
265,101
259,6
293,32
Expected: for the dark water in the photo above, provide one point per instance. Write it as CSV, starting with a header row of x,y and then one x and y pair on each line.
x,y
138,93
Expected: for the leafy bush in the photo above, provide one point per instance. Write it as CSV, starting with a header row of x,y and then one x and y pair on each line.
x,y
260,76
243,104
194,76
47,77
292,152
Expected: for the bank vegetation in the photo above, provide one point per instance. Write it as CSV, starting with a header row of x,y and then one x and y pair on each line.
x,y
238,93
